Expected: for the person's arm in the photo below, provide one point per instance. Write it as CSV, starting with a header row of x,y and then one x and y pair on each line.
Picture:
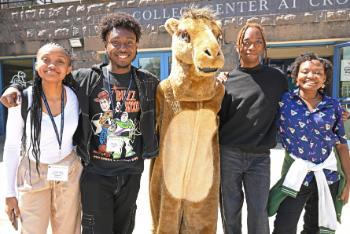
x,y
343,152
12,148
225,108
345,115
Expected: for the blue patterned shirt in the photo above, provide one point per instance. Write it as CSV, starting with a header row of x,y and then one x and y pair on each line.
x,y
311,135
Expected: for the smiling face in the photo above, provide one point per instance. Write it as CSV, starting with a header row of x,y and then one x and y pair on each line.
x,y
53,64
311,76
121,48
252,47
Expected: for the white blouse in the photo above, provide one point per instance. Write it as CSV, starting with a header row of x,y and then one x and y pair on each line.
x,y
49,147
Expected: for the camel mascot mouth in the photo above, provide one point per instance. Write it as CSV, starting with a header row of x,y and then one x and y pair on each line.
x,y
207,69
183,200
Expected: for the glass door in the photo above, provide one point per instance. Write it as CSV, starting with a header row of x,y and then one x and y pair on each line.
x,y
14,70
341,79
158,63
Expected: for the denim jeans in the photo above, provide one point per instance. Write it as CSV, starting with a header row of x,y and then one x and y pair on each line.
x,y
252,170
108,203
290,210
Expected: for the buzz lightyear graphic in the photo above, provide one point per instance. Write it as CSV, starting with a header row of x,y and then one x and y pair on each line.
x,y
120,136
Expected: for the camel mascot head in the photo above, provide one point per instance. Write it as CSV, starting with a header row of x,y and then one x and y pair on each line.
x,y
197,54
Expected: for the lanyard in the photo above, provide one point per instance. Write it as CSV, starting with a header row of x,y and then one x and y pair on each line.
x,y
59,137
122,108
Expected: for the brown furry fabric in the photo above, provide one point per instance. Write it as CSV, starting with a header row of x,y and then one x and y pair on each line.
x,y
184,178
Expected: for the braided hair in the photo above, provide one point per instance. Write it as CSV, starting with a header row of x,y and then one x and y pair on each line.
x,y
35,108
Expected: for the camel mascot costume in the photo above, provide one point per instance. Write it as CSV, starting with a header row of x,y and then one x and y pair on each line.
x,y
184,179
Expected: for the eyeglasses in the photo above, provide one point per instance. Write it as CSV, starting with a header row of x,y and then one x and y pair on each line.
x,y
257,43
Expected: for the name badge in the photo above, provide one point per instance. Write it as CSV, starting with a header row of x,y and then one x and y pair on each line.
x,y
114,144
57,173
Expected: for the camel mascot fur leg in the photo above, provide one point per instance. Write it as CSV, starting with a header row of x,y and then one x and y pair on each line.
x,y
184,179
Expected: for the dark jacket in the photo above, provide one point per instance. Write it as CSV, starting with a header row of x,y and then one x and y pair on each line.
x,y
87,80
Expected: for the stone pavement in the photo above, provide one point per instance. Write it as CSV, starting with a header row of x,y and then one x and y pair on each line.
x,y
143,216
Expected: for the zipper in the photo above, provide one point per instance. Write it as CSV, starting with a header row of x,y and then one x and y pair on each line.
x,y
95,84
88,149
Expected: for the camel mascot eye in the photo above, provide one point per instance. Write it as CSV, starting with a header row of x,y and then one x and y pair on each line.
x,y
183,35
184,178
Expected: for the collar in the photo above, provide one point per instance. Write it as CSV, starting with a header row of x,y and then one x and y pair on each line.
x,y
295,94
326,101
255,69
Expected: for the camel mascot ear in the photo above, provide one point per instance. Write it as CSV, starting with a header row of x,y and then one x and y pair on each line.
x,y
171,25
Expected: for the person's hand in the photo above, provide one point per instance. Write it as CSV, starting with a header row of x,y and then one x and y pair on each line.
x,y
345,115
12,208
222,77
345,194
11,97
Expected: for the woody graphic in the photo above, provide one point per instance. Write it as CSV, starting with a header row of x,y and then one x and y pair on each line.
x,y
103,121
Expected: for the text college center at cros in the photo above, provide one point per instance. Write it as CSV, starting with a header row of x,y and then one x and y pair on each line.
x,y
292,27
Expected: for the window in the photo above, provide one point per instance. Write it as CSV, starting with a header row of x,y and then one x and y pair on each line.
x,y
158,63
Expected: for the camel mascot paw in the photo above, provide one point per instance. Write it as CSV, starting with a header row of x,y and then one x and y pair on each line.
x,y
184,179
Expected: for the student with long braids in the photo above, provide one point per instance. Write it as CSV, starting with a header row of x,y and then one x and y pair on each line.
x,y
247,133
47,167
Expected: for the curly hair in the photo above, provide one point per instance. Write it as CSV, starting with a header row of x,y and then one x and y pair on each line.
x,y
240,36
119,20
309,56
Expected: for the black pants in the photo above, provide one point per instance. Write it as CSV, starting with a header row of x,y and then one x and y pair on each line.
x,y
290,209
108,203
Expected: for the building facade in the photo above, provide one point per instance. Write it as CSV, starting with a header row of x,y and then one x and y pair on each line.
x,y
292,27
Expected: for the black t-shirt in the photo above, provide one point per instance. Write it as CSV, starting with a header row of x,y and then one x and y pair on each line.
x,y
249,107
116,144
